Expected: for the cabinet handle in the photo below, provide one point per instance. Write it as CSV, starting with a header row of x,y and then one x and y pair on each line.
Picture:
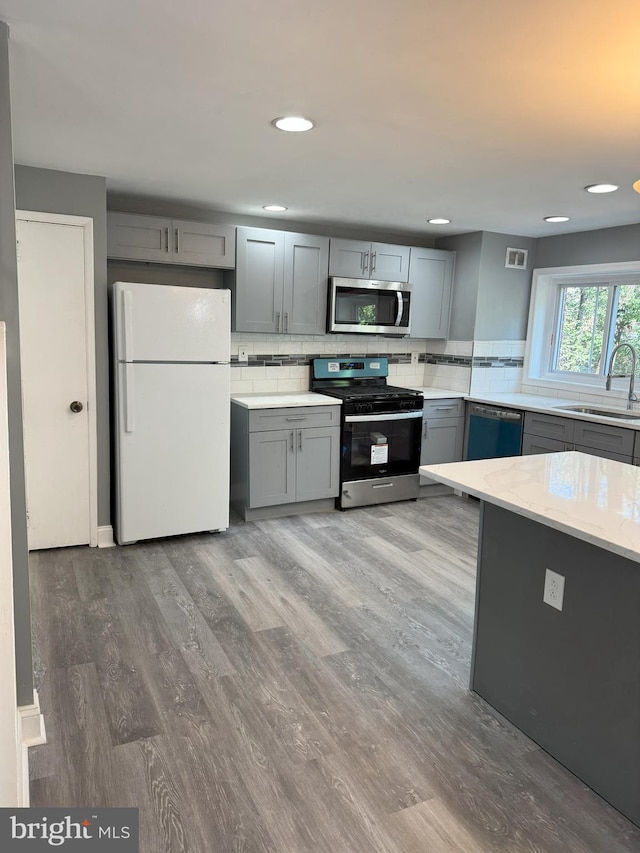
x,y
300,439
373,263
297,418
424,432
166,234
365,261
292,439
277,321
286,321
177,241
444,408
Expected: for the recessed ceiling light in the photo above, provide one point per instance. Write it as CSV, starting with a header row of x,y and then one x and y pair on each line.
x,y
439,221
293,124
601,188
636,186
557,218
274,208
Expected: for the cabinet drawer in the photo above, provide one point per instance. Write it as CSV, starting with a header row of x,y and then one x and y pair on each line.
x,y
604,454
604,437
549,426
532,444
443,408
299,417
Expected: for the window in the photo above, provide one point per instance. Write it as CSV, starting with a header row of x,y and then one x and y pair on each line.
x,y
592,320
577,316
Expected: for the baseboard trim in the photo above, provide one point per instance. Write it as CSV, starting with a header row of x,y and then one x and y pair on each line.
x,y
32,723
31,732
105,537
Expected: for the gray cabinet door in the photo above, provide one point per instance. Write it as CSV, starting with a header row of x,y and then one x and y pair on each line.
x,y
532,444
389,263
306,270
431,276
203,244
441,440
272,467
259,280
317,463
139,238
349,258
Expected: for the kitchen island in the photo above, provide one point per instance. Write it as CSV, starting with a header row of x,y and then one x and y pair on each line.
x,y
567,673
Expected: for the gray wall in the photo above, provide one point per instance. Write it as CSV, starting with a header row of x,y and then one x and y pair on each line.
x,y
606,245
503,294
9,314
81,195
468,248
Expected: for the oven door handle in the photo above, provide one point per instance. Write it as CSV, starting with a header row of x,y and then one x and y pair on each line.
x,y
395,416
399,317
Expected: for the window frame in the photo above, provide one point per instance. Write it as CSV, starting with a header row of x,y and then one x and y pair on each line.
x,y
543,326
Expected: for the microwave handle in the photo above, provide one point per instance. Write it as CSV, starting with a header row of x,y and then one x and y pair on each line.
x,y
399,317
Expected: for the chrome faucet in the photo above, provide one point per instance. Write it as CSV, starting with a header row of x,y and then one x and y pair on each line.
x,y
631,399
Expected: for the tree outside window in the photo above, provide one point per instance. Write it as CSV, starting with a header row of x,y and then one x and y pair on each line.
x,y
592,320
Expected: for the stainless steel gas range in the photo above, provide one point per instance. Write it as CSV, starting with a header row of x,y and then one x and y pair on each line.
x,y
381,430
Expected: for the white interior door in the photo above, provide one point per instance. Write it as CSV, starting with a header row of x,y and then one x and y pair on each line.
x,y
55,384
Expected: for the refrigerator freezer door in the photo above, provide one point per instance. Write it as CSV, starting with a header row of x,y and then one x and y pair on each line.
x,y
172,447
158,322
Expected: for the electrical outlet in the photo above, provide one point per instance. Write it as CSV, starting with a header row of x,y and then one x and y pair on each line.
x,y
553,589
415,358
242,354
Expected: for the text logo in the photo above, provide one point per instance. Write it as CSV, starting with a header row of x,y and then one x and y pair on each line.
x,y
37,829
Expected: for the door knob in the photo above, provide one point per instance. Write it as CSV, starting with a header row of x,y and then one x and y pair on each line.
x,y
76,406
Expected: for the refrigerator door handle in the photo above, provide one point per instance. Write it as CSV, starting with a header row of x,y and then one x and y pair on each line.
x,y
127,322
129,407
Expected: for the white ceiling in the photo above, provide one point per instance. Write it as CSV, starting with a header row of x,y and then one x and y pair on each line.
x,y
494,113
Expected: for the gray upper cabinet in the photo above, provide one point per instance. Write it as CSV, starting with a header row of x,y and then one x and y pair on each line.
x,y
362,259
431,277
169,241
280,282
138,238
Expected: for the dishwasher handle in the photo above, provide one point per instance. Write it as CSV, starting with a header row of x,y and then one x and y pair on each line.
x,y
495,414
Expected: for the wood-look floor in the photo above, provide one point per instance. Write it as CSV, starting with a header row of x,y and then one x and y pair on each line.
x,y
293,685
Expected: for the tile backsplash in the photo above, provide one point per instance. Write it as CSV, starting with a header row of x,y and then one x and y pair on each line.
x,y
497,366
277,363
280,363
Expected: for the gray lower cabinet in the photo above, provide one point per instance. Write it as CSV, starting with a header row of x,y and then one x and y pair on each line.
x,y
362,259
169,241
431,277
550,434
442,433
280,282
283,456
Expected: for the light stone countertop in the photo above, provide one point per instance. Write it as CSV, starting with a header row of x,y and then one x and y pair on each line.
x,y
594,499
285,400
549,406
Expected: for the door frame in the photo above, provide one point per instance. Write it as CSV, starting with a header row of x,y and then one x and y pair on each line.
x,y
86,223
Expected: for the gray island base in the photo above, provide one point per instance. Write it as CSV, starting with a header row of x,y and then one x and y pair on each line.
x,y
568,678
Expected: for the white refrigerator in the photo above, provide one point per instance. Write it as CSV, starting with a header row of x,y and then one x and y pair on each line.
x,y
171,357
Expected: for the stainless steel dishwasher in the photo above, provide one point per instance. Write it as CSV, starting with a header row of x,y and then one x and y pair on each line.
x,y
492,431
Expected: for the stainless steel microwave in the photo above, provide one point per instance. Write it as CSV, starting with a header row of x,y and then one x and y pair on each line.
x,y
369,307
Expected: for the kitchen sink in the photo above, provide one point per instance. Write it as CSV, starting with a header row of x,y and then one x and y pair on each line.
x,y
602,413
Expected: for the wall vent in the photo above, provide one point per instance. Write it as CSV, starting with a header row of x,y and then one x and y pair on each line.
x,y
516,259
